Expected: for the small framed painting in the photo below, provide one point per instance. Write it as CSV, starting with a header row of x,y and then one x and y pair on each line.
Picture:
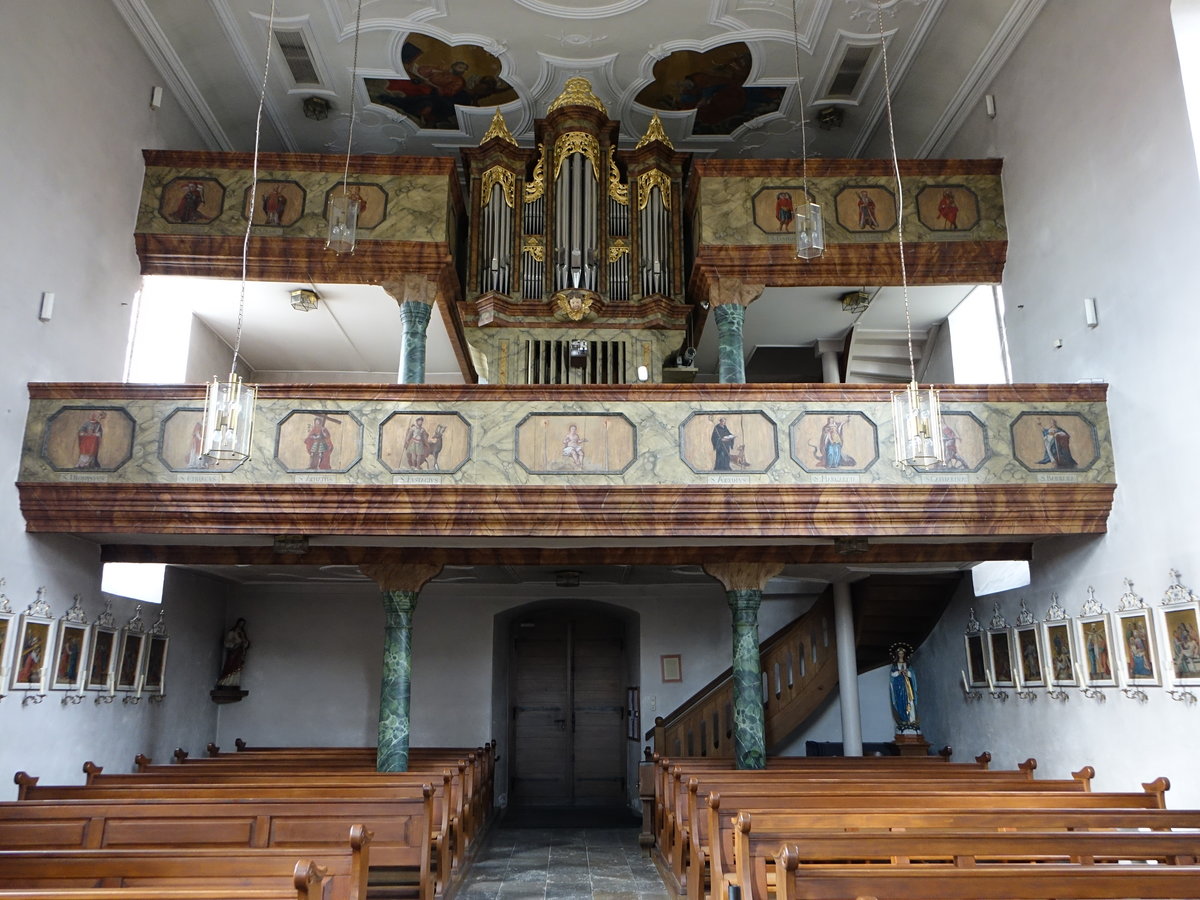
x,y
672,667
70,658
102,656
129,660
1181,639
1061,666
1000,657
976,659
156,657
6,633
34,647
1094,639
1029,658
1139,653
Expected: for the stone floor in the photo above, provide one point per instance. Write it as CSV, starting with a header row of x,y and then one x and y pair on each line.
x,y
550,863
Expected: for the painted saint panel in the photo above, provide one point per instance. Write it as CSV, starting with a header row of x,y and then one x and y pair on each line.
x,y
1050,441
316,440
732,441
964,444
948,207
191,200
834,441
181,444
88,438
573,443
775,208
865,208
372,201
279,203
424,441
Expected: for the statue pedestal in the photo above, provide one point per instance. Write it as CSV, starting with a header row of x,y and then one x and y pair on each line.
x,y
227,694
911,744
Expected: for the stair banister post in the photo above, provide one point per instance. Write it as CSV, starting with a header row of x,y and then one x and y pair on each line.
x,y
744,583
847,662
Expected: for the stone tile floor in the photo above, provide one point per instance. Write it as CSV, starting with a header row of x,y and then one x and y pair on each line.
x,y
562,864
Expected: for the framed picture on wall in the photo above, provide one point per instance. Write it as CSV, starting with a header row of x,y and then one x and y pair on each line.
x,y
34,652
102,659
1061,665
154,680
130,656
1181,641
6,635
976,659
1030,661
70,658
672,667
1000,657
1138,649
1094,639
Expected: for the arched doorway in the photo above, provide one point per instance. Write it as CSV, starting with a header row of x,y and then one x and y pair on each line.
x,y
568,676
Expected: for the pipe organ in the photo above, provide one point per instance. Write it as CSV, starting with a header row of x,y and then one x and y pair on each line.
x,y
578,239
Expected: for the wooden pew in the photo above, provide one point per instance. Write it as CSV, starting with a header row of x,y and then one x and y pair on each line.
x,y
680,837
400,826
755,848
689,853
1003,882
308,883
344,868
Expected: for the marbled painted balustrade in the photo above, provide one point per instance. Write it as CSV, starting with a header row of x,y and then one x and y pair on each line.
x,y
953,216
727,462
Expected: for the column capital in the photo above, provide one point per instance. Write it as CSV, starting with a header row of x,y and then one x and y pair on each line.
x,y
729,291
417,288
401,576
743,576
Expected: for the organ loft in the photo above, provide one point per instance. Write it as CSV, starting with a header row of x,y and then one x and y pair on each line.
x,y
576,257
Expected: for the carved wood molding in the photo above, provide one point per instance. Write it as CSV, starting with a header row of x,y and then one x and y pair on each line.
x,y
497,311
531,513
639,554
1029,394
304,162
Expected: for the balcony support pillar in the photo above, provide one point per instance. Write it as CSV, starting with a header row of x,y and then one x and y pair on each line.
x,y
744,583
416,295
401,585
729,301
847,662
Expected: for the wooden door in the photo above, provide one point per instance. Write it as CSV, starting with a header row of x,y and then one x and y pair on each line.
x,y
568,711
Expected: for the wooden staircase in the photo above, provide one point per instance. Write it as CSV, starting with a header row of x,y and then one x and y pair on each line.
x,y
799,663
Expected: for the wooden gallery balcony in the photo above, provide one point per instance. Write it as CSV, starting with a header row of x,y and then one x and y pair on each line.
x,y
360,470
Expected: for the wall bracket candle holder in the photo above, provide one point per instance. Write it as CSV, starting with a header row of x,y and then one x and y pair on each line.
x,y
1183,695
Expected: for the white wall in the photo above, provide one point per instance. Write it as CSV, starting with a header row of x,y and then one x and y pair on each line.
x,y
313,671
1100,180
76,108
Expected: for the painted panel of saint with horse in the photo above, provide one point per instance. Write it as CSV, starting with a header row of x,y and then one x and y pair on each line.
x,y
424,441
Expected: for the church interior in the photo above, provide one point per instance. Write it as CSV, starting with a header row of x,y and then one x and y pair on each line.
x,y
566,387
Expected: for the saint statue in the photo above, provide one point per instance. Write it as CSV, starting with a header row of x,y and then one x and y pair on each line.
x,y
903,689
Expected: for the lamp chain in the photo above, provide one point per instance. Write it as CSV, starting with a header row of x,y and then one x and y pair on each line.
x,y
353,74
887,97
262,97
800,98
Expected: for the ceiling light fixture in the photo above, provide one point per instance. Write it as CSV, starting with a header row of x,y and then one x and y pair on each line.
x,y
316,108
855,301
304,300
228,417
809,229
916,415
344,208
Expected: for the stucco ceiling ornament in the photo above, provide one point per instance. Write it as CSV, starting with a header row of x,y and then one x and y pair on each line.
x,y
1174,594
870,8
1130,600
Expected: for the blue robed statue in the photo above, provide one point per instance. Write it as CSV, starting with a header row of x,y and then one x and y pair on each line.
x,y
902,685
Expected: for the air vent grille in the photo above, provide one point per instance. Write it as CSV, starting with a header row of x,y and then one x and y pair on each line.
x,y
297,57
550,362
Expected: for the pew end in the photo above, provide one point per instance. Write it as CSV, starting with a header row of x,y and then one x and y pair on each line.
x,y
24,781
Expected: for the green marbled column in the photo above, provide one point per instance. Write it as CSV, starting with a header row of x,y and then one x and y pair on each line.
x,y
397,681
749,725
731,365
414,315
